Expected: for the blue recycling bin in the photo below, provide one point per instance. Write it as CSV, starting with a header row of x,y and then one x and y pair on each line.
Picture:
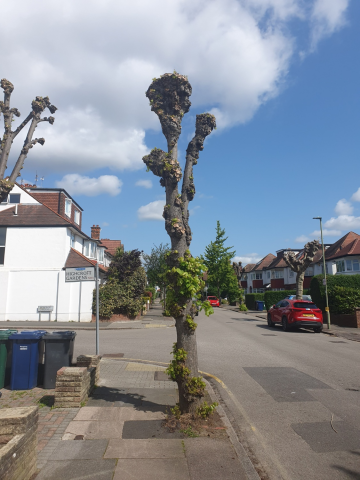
x,y
260,305
25,359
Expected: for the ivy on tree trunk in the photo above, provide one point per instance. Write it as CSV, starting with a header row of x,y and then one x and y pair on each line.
x,y
34,118
169,99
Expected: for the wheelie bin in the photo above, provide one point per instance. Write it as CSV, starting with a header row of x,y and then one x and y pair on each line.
x,y
5,356
40,379
25,359
260,305
59,349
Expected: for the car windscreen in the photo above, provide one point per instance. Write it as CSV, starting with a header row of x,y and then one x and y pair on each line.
x,y
304,305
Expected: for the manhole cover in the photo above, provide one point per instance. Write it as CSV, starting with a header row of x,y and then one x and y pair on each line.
x,y
113,355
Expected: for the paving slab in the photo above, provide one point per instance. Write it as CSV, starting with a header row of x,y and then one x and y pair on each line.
x,y
152,469
117,414
155,396
79,450
147,429
213,459
78,470
91,430
155,448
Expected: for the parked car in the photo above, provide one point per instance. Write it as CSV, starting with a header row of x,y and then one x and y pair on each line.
x,y
295,314
214,301
304,297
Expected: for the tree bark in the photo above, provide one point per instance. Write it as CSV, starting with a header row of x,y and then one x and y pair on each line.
x,y
169,99
300,285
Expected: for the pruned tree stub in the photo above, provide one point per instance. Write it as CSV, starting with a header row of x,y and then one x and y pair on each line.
x,y
299,264
34,118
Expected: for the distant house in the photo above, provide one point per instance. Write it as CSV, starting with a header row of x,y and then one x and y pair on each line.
x,y
40,236
272,273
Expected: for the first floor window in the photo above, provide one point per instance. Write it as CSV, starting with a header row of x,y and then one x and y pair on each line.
x,y
14,198
291,273
77,217
2,244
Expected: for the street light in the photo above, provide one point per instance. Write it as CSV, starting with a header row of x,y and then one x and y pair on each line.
x,y
324,266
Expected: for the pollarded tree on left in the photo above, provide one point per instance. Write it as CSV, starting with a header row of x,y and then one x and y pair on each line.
x,y
34,118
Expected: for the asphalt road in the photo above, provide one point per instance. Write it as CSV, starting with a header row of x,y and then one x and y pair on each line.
x,y
293,397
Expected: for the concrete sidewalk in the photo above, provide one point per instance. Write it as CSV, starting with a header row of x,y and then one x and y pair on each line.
x,y
153,319
119,435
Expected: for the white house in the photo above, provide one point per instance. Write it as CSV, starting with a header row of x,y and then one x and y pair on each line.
x,y
40,236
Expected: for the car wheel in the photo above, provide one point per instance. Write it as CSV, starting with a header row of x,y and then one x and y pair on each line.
x,y
285,325
317,329
269,321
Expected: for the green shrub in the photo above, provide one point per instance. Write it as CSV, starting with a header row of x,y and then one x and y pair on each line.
x,y
153,293
224,302
271,298
343,299
243,308
250,299
317,289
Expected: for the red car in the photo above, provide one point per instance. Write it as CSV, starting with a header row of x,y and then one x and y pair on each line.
x,y
214,302
295,314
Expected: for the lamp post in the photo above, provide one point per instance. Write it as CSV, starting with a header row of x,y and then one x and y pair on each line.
x,y
324,266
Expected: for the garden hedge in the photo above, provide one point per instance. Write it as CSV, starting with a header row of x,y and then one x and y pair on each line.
x,y
337,298
271,298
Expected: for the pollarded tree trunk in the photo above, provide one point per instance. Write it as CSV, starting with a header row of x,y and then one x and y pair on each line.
x,y
169,99
300,285
299,264
37,107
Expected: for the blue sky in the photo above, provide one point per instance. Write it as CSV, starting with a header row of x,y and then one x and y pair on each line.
x,y
281,77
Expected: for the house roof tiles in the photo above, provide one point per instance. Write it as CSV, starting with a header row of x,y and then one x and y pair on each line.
x,y
76,259
111,245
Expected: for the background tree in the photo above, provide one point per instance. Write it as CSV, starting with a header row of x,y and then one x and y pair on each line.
x,y
37,107
299,265
155,265
123,291
169,99
222,279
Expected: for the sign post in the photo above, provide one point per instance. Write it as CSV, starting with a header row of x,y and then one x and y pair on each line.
x,y
86,274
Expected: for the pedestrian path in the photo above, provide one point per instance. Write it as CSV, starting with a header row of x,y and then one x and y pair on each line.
x,y
119,434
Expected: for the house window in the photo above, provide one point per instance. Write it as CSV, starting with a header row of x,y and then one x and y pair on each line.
x,y
348,265
91,249
291,273
309,272
268,274
340,266
356,264
101,255
68,207
322,268
278,274
2,244
258,276
14,198
77,217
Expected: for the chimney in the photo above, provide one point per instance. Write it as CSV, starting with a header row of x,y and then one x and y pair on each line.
x,y
95,232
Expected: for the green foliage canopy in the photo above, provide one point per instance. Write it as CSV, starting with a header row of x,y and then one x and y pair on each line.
x,y
155,264
221,276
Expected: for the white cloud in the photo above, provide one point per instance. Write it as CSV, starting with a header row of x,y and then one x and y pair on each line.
x,y
356,196
343,222
343,207
144,183
302,239
248,258
106,224
152,211
236,54
327,17
76,184
326,233
193,210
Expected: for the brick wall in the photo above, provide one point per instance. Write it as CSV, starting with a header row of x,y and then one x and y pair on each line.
x,y
51,199
18,442
345,320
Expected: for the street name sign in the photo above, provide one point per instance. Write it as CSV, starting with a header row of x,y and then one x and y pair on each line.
x,y
80,274
45,308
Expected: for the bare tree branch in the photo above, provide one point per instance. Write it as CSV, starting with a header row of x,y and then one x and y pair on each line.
x,y
37,107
